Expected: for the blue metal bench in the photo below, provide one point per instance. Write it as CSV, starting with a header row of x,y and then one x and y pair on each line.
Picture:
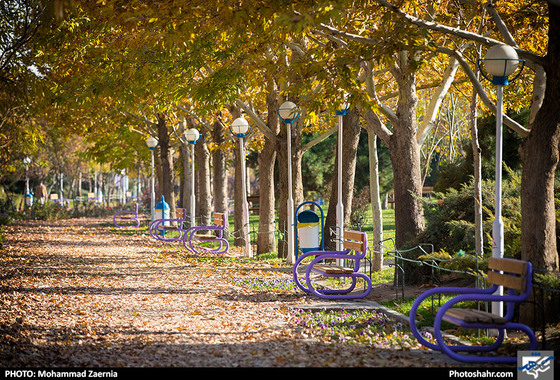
x,y
159,228
126,215
516,276
212,233
355,248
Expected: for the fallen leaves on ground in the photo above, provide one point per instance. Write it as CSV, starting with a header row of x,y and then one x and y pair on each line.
x,y
75,294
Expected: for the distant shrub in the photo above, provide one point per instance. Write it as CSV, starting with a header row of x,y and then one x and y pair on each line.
x,y
450,217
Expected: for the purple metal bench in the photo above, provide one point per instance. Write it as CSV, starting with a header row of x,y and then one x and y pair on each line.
x,y
355,244
212,233
515,275
126,215
159,228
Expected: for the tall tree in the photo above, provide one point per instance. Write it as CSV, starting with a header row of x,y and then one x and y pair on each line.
x,y
540,146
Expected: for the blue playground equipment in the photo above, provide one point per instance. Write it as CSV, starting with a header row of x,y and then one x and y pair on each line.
x,y
306,228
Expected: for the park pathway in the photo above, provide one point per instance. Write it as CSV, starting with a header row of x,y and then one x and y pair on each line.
x,y
76,294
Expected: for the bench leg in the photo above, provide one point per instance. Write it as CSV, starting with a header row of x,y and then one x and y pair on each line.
x,y
296,276
222,248
189,237
452,351
342,293
330,293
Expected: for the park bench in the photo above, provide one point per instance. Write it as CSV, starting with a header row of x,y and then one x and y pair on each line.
x,y
208,234
126,215
355,248
511,274
253,200
170,229
55,199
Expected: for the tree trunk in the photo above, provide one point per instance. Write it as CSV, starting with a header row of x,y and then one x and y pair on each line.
x,y
477,185
375,198
185,176
267,159
238,221
405,158
203,193
219,171
166,164
539,153
350,139
403,149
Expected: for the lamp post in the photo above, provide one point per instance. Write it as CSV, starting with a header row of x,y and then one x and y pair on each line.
x,y
500,62
239,128
192,136
152,143
340,206
289,112
28,197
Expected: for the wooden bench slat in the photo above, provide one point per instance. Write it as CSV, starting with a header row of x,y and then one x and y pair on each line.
x,y
162,227
354,235
474,316
507,281
333,269
219,219
508,265
353,245
513,274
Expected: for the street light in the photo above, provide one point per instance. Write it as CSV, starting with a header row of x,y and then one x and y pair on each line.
x,y
500,62
289,113
151,143
340,206
192,136
28,195
239,128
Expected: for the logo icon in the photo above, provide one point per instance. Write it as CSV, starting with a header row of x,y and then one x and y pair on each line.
x,y
535,365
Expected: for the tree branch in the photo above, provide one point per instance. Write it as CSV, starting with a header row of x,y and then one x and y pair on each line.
x,y
489,6
148,124
370,89
435,102
458,32
515,126
261,125
317,140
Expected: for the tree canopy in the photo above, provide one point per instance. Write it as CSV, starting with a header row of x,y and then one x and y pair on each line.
x,y
101,76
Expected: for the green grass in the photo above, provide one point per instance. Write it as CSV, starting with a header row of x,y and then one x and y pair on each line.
x,y
361,327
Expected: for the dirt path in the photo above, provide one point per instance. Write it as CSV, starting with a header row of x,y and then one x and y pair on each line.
x,y
74,294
